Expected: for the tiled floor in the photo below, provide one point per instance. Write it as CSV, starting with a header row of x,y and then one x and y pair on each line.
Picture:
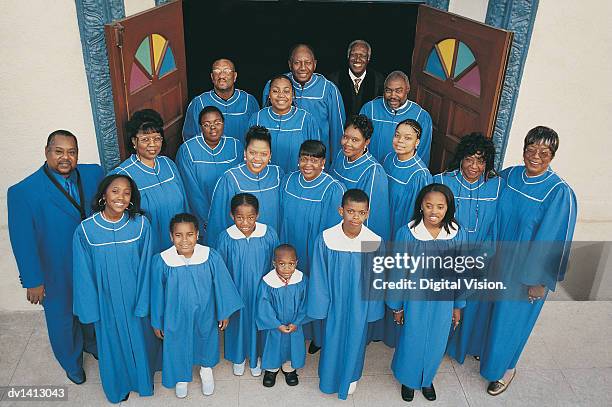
x,y
567,362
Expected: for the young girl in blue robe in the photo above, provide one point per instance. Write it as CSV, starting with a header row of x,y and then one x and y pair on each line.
x,y
158,180
426,320
281,311
289,126
203,159
256,176
192,298
336,294
112,252
246,247
536,214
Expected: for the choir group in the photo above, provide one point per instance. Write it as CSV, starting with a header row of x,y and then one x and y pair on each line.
x,y
259,229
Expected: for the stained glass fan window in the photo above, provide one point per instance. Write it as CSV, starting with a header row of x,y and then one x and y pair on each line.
x,y
153,60
453,59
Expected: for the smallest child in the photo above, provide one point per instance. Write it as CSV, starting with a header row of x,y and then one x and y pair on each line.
x,y
280,314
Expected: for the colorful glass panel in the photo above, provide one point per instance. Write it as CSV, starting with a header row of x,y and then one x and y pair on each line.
x,y
168,65
470,81
465,58
158,48
433,65
447,52
138,78
143,55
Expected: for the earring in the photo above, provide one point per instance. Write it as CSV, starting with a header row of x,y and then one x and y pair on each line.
x,y
102,202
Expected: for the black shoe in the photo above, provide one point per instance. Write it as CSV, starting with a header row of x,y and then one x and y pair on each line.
x,y
407,393
477,358
127,396
312,348
95,355
429,393
79,379
291,378
269,379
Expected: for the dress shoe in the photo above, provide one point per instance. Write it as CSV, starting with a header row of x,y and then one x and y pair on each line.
x,y
78,378
407,393
498,387
291,378
312,348
127,396
429,392
269,379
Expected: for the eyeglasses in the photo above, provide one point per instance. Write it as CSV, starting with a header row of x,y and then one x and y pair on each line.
x,y
225,71
208,125
150,140
544,153
479,161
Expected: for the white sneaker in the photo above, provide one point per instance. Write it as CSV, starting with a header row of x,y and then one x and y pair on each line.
x,y
239,368
181,389
352,387
256,371
208,381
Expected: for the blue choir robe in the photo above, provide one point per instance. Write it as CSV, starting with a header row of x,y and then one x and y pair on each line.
x,y
41,222
282,304
237,111
201,167
476,212
385,121
265,186
336,294
112,287
539,213
188,298
248,260
367,174
288,132
162,194
322,99
427,321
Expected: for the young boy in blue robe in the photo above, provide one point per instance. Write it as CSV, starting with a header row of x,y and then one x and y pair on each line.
x,y
246,247
281,311
192,298
289,126
256,176
203,159
336,293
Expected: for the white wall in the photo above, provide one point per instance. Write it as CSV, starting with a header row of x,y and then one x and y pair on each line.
x,y
136,6
474,9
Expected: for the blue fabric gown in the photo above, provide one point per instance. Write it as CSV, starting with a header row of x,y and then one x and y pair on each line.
x,y
162,194
265,186
336,294
322,99
288,132
237,111
423,336
201,166
188,298
476,211
385,121
282,304
41,222
248,260
367,174
112,287
540,212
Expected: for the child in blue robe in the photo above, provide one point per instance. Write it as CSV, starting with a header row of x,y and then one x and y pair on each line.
x,y
425,320
256,176
281,311
203,159
336,294
192,298
112,252
159,182
289,126
356,168
246,247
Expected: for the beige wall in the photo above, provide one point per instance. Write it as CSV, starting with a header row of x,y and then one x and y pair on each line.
x,y
136,6
474,9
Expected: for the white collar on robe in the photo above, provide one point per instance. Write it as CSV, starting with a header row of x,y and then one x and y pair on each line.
x,y
335,239
235,233
173,259
274,281
420,232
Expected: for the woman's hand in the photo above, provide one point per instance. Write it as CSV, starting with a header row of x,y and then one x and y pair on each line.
x,y
223,324
398,316
284,329
456,317
159,333
536,292
36,294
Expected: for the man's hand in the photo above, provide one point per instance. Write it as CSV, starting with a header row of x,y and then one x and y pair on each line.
x,y
159,333
36,294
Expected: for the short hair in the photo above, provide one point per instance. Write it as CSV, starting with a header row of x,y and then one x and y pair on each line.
x,y
60,132
300,45
413,124
542,135
257,133
355,42
144,121
355,195
223,59
397,75
244,199
98,206
284,247
184,218
210,109
362,123
449,217
312,148
475,143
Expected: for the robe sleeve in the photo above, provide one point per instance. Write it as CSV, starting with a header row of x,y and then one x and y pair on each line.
x,y
190,126
158,292
254,120
85,287
227,298
181,184
376,186
265,314
336,116
266,93
424,148
143,290
301,317
333,200
318,285
198,203
22,232
252,106
312,129
219,215
421,180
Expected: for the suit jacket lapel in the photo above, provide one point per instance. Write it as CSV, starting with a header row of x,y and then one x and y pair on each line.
x,y
55,197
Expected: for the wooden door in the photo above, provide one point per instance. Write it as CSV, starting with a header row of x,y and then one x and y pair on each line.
x,y
146,54
458,68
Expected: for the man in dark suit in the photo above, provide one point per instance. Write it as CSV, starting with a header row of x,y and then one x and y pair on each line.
x,y
358,85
